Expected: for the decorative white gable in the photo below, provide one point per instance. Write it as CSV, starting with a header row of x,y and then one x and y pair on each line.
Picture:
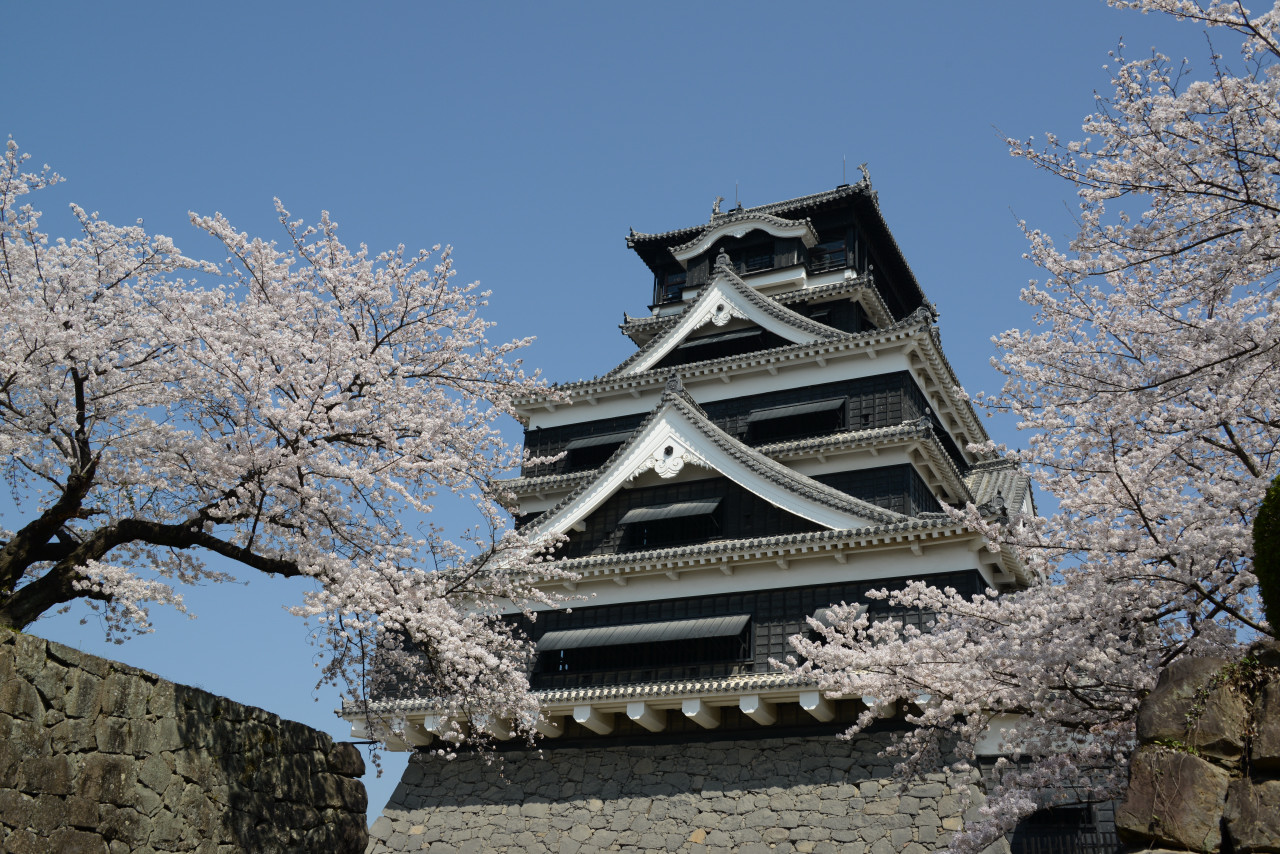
x,y
725,298
738,226
677,434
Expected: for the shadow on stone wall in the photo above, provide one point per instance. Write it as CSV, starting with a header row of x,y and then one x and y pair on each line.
x,y
96,756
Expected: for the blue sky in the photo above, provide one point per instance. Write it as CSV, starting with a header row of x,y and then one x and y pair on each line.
x,y
531,137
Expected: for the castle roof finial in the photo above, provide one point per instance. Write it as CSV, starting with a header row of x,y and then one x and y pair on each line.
x,y
723,259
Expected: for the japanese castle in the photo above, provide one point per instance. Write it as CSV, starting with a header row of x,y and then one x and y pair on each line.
x,y
786,436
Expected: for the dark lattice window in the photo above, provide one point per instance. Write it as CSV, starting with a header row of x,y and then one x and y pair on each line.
x,y
898,488
738,514
831,255
1071,829
845,315
795,421
721,345
879,401
691,652
671,524
672,286
775,616
757,258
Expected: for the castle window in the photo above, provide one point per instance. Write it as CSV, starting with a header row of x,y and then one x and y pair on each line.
x,y
831,255
670,643
813,418
673,286
676,523
718,346
588,452
757,258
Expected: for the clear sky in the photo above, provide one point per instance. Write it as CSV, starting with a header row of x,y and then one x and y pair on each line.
x,y
531,137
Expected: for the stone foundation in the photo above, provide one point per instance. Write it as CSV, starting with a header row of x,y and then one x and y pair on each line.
x,y
100,758
1206,774
811,794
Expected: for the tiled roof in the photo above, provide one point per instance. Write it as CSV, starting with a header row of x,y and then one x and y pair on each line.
x,y
742,683
987,478
749,295
741,219
863,286
835,343
674,396
775,208
932,526
921,428
873,436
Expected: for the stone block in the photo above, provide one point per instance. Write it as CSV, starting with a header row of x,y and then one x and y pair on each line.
x,y
1193,706
107,779
19,698
1253,815
23,842
124,695
345,759
51,683
82,699
48,813
82,813
1264,753
10,758
15,807
1174,799
113,735
45,775
124,824
881,806
160,699
68,840
72,735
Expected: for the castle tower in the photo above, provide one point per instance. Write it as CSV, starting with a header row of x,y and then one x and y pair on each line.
x,y
784,438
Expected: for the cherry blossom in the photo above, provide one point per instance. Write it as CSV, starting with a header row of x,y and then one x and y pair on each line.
x,y
1148,389
296,410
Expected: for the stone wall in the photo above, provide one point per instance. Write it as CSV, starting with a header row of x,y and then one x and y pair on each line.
x,y
1206,775
778,795
99,757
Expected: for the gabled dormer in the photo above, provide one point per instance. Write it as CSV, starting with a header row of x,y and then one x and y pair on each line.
x,y
678,444
728,318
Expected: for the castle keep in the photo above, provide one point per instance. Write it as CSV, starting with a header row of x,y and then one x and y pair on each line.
x,y
785,437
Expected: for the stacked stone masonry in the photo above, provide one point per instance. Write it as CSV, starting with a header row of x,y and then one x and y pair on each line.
x,y
1206,775
812,794
100,758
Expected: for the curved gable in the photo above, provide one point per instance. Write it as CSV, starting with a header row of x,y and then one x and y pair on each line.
x,y
725,298
739,226
677,434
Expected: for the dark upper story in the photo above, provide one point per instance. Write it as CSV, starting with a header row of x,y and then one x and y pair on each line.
x,y
686,513
698,637
805,412
837,229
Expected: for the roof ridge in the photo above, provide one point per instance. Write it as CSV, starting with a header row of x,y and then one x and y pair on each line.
x,y
908,525
916,318
771,208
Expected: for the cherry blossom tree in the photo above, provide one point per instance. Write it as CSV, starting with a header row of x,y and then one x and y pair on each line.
x,y
1148,387
297,416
